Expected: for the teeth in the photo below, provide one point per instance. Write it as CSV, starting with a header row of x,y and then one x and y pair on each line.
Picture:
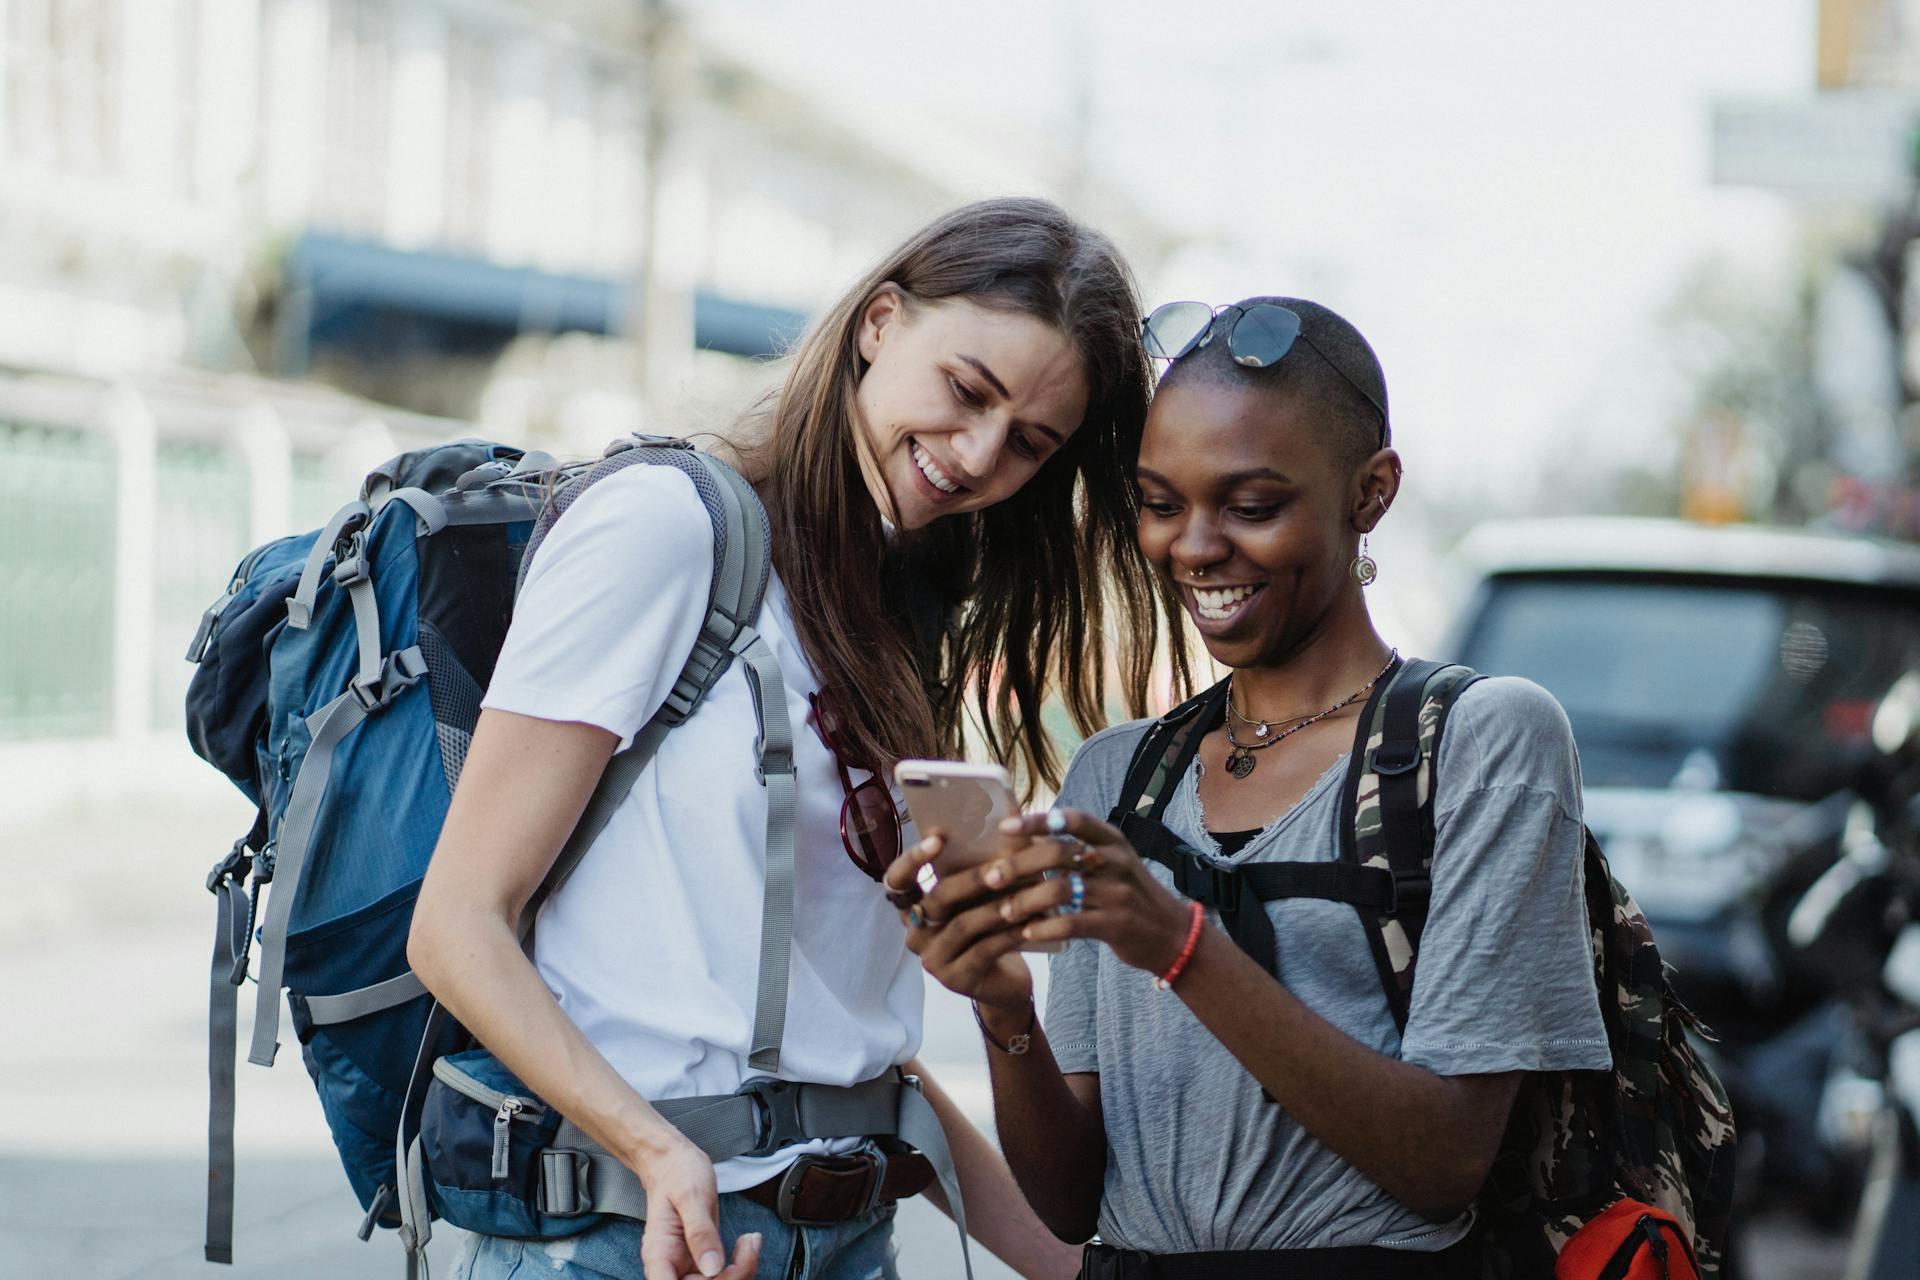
x,y
1221,604
935,476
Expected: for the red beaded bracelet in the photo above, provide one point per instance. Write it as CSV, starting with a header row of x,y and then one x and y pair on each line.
x,y
1166,980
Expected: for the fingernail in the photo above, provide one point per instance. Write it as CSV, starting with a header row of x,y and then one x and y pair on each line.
x,y
1009,824
996,875
753,1240
1026,934
1006,911
711,1262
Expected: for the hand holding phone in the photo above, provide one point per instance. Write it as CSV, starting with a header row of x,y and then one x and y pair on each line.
x,y
964,804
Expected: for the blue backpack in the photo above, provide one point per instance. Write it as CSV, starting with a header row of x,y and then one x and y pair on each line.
x,y
339,681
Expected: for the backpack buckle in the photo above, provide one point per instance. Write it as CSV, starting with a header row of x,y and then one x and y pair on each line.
x,y
401,670
565,1189
1394,758
234,867
350,560
776,1114
1413,887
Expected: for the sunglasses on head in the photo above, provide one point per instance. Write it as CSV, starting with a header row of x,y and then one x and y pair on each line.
x,y
1257,336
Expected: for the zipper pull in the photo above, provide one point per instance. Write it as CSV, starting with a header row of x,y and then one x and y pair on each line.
x,y
502,1125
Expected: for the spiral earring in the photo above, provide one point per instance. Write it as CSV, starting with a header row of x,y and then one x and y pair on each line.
x,y
1365,568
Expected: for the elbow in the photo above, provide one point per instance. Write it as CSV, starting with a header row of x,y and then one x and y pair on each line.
x,y
425,951
1070,1228
1443,1194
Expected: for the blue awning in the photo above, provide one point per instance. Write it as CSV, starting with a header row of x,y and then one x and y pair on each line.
x,y
382,300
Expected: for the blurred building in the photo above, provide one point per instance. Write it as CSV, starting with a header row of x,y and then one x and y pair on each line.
x,y
1848,155
248,248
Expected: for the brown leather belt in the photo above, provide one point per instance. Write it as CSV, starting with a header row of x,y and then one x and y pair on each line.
x,y
823,1190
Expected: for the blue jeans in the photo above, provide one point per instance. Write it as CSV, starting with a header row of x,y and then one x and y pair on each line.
x,y
857,1250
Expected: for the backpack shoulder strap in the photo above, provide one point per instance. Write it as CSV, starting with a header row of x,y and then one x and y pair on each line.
x,y
1387,818
1163,754
742,563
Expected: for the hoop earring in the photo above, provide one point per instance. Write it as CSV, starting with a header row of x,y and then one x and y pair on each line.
x,y
1365,568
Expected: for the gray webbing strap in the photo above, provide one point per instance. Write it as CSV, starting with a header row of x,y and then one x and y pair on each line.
x,y
223,1005
919,1127
775,767
431,511
325,1010
300,603
326,727
366,623
416,1215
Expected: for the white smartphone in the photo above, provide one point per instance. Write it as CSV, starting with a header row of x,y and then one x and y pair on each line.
x,y
965,804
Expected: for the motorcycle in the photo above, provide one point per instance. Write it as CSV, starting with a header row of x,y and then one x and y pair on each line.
x,y
1860,922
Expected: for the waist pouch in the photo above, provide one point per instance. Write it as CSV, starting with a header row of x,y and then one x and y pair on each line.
x,y
482,1135
1364,1262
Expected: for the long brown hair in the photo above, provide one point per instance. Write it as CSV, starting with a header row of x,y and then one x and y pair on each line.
x,y
1023,592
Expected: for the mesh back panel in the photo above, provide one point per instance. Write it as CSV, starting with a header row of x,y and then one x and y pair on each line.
x,y
456,701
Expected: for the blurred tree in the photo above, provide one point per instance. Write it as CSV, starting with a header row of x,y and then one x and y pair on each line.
x,y
1750,421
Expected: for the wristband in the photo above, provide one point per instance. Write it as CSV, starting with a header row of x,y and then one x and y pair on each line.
x,y
1015,1045
1166,980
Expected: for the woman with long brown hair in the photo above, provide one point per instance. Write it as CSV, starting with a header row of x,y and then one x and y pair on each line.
x,y
944,474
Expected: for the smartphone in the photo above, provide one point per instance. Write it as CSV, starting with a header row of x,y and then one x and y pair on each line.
x,y
964,803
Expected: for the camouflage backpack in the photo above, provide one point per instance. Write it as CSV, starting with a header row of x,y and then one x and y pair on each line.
x,y
1644,1149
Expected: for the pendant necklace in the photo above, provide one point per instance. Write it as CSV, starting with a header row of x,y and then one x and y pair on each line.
x,y
1240,760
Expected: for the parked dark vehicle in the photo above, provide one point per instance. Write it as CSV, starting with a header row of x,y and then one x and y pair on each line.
x,y
1721,682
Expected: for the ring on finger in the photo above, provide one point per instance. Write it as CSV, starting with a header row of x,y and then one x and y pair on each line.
x,y
916,917
1077,894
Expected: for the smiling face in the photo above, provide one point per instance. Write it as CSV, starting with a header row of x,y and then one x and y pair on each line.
x,y
960,404
1245,505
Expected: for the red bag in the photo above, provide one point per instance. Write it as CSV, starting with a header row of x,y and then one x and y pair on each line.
x,y
1630,1241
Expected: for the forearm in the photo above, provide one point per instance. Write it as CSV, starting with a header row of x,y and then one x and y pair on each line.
x,y
998,1215
1055,1144
473,964
1415,1134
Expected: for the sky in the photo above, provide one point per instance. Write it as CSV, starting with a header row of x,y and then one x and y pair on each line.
x,y
1503,195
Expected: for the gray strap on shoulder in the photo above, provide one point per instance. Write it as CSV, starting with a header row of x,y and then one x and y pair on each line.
x,y
775,767
326,727
300,603
431,512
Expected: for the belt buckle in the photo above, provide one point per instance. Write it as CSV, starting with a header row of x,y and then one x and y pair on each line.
x,y
795,1209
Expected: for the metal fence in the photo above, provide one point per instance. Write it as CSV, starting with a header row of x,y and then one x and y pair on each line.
x,y
57,490
122,515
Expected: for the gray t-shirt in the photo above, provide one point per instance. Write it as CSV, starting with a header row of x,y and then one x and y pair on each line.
x,y
1197,1158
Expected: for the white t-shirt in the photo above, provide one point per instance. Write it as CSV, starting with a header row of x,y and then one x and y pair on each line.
x,y
652,946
